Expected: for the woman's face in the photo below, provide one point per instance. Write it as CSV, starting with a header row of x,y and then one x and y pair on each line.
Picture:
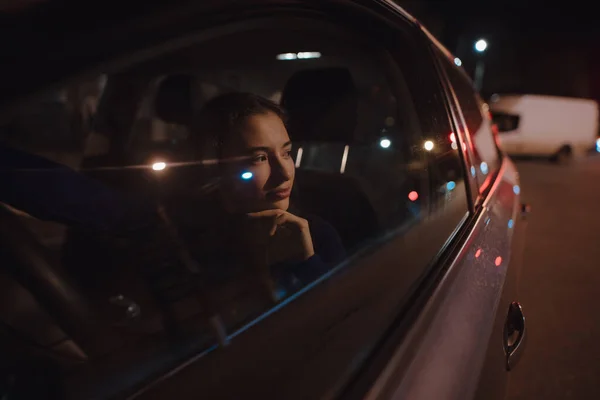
x,y
265,178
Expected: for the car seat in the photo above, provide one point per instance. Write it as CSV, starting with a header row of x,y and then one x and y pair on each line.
x,y
322,115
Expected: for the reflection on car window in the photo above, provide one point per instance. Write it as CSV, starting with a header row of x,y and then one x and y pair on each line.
x,y
57,123
479,125
209,191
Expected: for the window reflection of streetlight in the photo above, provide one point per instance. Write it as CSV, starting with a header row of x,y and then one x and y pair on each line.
x,y
299,157
385,143
480,47
159,166
484,168
344,159
453,141
247,175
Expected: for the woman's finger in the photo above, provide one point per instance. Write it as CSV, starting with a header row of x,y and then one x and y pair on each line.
x,y
280,217
280,220
266,213
299,222
287,218
265,220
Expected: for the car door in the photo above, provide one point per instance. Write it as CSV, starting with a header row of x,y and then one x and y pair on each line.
x,y
504,350
471,330
379,158
363,131
474,120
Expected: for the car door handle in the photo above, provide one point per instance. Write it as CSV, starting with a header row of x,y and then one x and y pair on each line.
x,y
525,210
514,334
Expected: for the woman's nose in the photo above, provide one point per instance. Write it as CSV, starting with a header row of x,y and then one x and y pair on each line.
x,y
280,170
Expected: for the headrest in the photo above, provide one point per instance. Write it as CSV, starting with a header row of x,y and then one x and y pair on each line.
x,y
321,105
173,102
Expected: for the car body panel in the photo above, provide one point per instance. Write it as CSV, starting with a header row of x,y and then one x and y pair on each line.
x,y
450,339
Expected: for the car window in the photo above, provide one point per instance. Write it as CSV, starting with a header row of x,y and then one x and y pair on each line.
x,y
252,197
478,123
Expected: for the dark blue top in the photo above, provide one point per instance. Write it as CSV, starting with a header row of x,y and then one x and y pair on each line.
x,y
53,192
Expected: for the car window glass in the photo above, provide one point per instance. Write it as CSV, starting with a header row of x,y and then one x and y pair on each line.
x,y
479,126
209,192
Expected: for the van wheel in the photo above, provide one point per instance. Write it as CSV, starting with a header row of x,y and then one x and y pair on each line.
x,y
563,157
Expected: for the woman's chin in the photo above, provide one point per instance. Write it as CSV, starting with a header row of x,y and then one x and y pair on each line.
x,y
281,204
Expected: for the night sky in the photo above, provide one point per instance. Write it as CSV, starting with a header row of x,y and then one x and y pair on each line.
x,y
533,47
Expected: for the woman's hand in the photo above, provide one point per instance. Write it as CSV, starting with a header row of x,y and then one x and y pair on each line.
x,y
286,235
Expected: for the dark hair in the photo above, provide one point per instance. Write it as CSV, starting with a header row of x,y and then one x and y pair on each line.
x,y
226,115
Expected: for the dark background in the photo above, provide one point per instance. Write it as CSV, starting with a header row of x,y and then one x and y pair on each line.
x,y
533,47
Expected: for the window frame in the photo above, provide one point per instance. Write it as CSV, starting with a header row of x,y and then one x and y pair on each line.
x,y
477,196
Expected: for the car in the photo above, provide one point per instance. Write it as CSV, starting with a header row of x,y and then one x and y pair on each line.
x,y
388,264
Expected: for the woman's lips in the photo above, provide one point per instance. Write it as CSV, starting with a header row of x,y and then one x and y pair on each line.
x,y
279,194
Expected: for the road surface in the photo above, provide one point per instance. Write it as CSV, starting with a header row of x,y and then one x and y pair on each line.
x,y
560,282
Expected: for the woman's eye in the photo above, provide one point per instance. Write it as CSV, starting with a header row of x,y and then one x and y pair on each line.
x,y
259,158
287,153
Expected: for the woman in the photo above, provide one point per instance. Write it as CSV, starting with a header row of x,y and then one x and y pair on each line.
x,y
245,224
251,220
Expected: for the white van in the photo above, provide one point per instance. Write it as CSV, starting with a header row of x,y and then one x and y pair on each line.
x,y
558,127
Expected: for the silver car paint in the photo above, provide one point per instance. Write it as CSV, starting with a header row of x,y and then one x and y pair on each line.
x,y
446,347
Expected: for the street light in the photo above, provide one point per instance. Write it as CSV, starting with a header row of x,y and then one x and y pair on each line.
x,y
480,47
159,166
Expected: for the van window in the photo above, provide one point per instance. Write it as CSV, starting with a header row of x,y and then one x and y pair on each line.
x,y
262,209
505,122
